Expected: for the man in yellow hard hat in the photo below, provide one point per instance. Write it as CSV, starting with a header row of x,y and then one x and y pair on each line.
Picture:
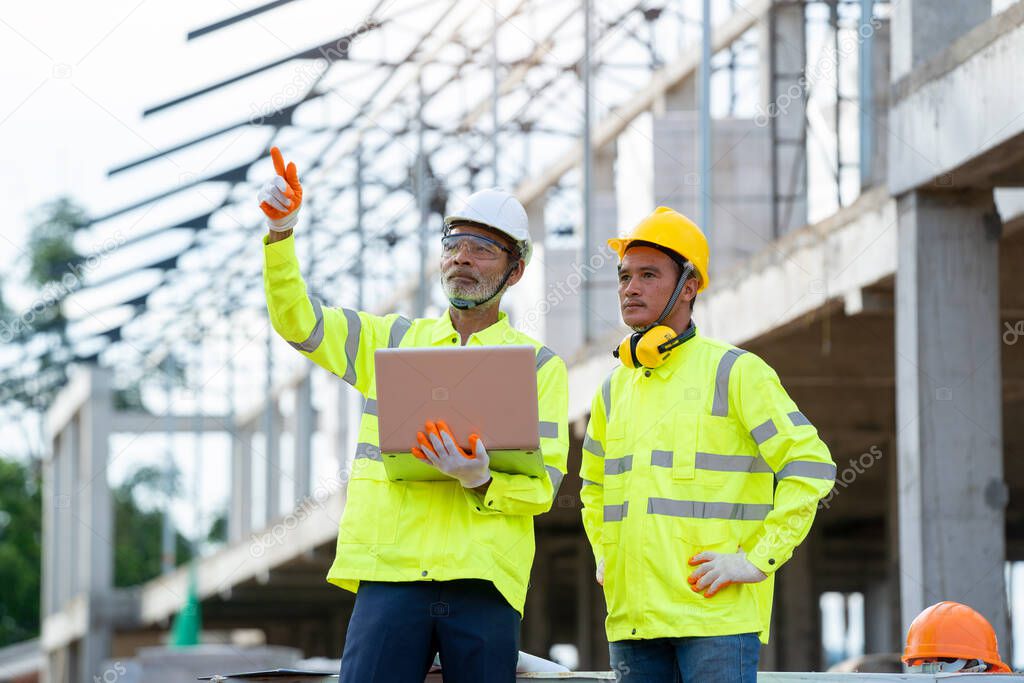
x,y
439,567
685,441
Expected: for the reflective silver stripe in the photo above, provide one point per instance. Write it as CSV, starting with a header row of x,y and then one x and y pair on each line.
x,y
720,404
661,458
543,356
556,479
593,445
355,328
811,470
613,466
716,463
606,394
764,431
370,406
398,329
701,510
798,419
548,430
315,337
754,464
615,513
367,450
587,482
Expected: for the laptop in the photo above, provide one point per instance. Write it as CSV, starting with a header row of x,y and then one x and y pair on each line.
x,y
485,390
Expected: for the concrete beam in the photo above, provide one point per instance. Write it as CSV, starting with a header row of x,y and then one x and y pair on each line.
x,y
954,122
137,422
68,402
922,29
278,544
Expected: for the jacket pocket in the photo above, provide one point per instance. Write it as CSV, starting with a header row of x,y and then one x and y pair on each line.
x,y
372,511
682,449
726,455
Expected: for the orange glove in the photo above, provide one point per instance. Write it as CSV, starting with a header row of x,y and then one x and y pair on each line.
x,y
281,197
439,447
433,429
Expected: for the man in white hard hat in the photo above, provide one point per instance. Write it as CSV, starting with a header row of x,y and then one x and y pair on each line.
x,y
439,567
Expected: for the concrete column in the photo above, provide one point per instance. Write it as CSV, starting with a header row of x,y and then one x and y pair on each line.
x,y
524,301
68,503
563,327
94,527
602,275
683,97
798,620
881,597
585,585
240,518
949,405
272,460
922,29
874,106
537,626
880,629
784,105
48,582
332,422
305,423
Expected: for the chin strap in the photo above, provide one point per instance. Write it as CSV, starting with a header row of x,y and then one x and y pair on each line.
x,y
466,304
683,277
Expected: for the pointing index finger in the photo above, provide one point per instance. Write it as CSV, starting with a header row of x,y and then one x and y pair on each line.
x,y
275,156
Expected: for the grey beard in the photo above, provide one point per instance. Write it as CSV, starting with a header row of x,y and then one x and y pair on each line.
x,y
474,292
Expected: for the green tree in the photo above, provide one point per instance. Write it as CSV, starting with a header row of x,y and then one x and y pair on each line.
x,y
138,528
21,524
138,531
54,273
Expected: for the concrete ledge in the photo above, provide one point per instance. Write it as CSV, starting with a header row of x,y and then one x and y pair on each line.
x,y
961,50
292,536
955,122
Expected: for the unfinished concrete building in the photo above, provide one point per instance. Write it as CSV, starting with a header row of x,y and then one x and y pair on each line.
x,y
866,236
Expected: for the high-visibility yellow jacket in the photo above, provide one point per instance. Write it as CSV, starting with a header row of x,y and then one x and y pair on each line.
x,y
684,458
410,531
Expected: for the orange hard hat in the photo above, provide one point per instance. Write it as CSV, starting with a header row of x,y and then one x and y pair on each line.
x,y
950,630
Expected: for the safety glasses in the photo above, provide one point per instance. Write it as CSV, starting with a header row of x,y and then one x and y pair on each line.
x,y
479,247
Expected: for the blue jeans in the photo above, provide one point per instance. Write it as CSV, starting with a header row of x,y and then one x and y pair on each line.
x,y
712,659
397,628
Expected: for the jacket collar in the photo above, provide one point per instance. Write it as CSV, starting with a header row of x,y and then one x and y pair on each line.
x,y
678,357
443,330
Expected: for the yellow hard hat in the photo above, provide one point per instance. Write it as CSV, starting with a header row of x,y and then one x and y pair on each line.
x,y
672,230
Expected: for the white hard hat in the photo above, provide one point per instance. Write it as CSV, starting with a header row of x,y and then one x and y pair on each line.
x,y
497,209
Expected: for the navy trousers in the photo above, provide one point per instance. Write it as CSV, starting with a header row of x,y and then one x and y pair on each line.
x,y
397,628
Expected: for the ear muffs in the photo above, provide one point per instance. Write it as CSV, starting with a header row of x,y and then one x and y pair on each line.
x,y
652,347
646,348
